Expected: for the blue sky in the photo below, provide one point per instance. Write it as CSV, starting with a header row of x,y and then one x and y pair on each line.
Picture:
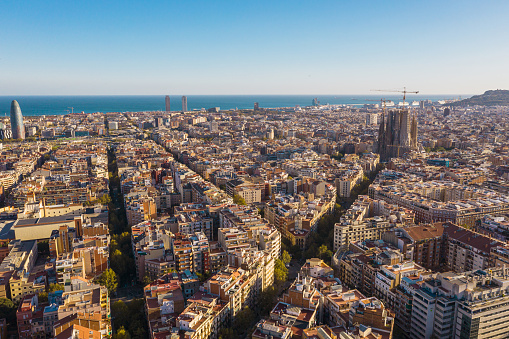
x,y
252,47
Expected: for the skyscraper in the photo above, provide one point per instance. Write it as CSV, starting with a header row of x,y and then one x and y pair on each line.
x,y
167,103
184,104
18,130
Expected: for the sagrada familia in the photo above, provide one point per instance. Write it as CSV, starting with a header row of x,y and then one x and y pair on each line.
x,y
397,135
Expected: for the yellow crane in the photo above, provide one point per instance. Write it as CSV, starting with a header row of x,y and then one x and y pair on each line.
x,y
404,91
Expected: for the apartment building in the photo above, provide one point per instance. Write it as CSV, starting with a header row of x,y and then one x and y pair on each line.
x,y
68,266
191,218
241,287
150,241
28,284
203,317
251,190
440,201
347,181
371,312
344,232
231,239
337,304
16,268
85,309
269,240
421,243
389,277
467,250
461,305
162,301
140,210
316,268
367,219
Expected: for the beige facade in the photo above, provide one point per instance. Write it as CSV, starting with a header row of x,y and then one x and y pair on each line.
x,y
41,228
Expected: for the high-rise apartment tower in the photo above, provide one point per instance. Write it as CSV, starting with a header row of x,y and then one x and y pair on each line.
x,y
184,104
167,103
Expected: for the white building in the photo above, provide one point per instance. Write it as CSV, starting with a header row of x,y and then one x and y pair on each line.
x,y
371,119
462,305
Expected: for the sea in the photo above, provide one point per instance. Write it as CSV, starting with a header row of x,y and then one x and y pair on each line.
x,y
59,105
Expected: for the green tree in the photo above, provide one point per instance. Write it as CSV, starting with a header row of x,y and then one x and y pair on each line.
x,y
118,262
43,247
139,332
120,312
286,257
109,280
136,307
237,199
280,271
8,311
322,250
55,287
43,297
127,316
114,222
121,259
122,334
227,333
244,319
267,300
324,253
146,280
105,199
203,277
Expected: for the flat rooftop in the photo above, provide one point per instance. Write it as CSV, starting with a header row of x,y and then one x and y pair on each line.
x,y
42,221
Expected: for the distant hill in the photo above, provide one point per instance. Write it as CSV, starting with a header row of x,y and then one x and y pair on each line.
x,y
498,97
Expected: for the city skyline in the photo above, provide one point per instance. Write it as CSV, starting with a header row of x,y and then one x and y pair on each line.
x,y
254,169
267,48
344,221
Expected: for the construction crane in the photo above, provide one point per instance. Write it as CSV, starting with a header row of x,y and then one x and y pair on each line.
x,y
404,91
72,109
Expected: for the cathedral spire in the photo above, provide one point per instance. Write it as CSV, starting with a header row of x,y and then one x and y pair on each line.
x,y
413,133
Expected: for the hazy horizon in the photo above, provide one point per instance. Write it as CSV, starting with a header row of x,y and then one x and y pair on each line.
x,y
370,94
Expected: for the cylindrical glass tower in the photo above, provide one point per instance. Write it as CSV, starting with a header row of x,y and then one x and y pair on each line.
x,y
18,130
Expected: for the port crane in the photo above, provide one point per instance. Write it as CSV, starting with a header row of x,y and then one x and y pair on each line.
x,y
404,91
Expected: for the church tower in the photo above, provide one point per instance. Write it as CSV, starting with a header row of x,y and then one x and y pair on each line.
x,y
413,133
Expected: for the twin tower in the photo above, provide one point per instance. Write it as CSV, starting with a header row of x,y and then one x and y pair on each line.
x,y
167,103
397,135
